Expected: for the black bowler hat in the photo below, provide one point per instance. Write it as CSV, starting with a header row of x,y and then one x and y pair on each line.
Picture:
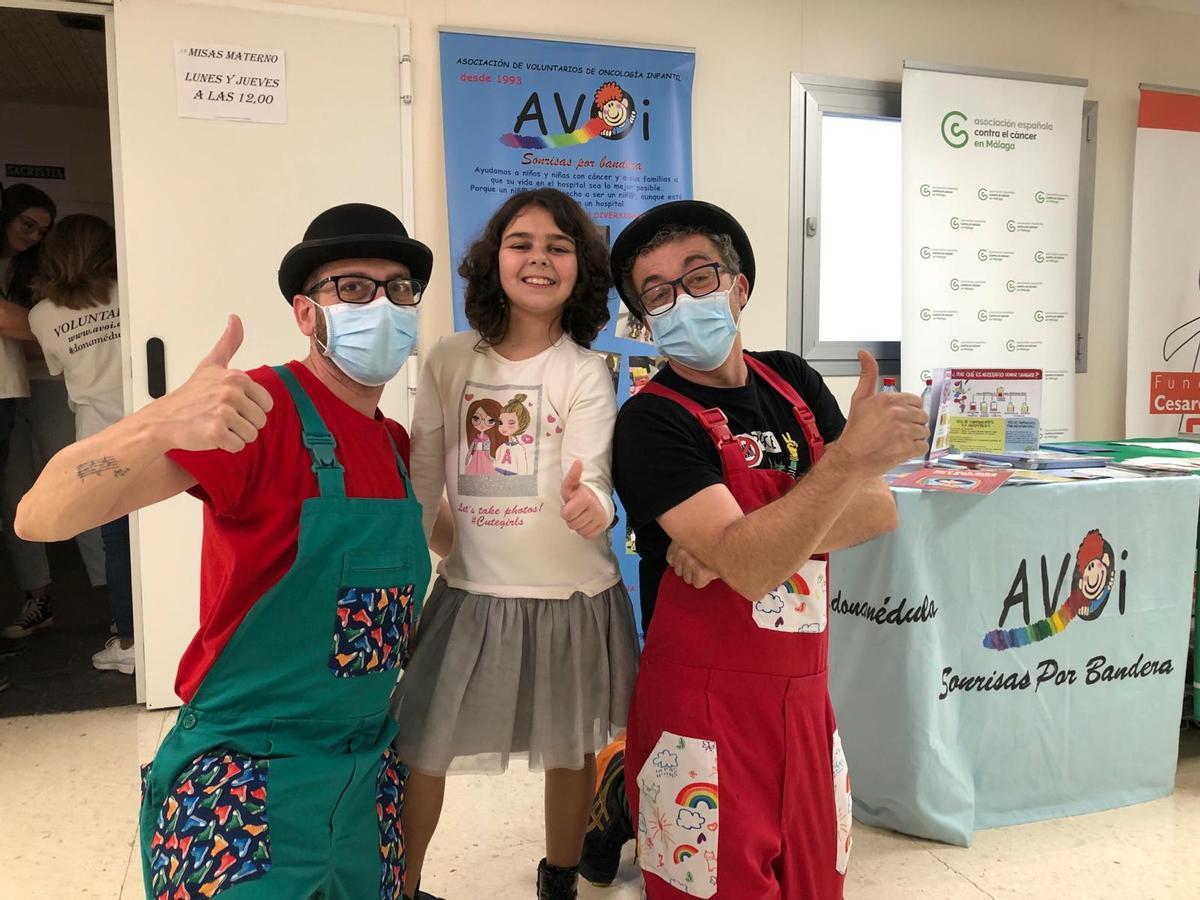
x,y
352,231
678,212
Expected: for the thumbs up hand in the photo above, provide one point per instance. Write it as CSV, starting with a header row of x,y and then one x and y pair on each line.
x,y
882,430
218,408
581,509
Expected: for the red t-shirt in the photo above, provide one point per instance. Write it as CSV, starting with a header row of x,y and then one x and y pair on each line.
x,y
252,505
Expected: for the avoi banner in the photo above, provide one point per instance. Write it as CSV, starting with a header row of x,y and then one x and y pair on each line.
x,y
990,178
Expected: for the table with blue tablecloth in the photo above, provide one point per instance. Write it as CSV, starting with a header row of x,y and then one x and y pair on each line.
x,y
967,698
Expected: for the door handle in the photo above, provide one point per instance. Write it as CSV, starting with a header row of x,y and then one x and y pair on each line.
x,y
156,370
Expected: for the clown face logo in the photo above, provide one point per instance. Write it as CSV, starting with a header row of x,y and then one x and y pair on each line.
x,y
1093,577
612,105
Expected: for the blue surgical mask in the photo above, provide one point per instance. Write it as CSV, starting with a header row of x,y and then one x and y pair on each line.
x,y
370,341
696,331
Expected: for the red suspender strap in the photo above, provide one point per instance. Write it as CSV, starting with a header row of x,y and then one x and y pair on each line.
x,y
712,420
808,422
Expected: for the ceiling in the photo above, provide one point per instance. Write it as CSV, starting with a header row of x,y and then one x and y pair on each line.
x,y
52,58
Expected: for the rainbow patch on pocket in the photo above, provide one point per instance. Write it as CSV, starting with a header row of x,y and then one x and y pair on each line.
x,y
371,630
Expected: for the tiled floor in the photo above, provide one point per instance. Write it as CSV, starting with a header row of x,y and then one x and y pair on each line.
x,y
69,792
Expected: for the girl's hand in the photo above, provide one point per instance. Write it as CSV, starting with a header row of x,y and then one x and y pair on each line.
x,y
688,568
581,509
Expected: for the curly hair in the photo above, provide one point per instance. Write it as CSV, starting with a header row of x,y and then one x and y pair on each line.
x,y
586,310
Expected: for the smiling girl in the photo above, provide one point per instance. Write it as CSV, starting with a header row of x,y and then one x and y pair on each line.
x,y
527,645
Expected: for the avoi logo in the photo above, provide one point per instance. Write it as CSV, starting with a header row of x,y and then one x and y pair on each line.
x,y
954,223
926,374
952,131
983,316
1039,257
1040,196
954,284
925,191
926,315
1011,346
954,346
926,253
982,254
1039,316
982,193
1011,286
1011,225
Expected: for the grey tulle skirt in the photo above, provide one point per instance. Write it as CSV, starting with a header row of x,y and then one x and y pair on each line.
x,y
497,678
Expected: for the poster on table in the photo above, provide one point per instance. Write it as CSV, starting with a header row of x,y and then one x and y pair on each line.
x,y
610,125
1014,657
1164,268
990,177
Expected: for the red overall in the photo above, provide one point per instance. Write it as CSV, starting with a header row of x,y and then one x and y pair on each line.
x,y
733,765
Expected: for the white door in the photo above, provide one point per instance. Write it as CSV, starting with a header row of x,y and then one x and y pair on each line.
x,y
208,208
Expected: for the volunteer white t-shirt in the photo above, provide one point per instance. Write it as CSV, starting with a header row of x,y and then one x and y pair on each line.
x,y
13,380
84,345
498,436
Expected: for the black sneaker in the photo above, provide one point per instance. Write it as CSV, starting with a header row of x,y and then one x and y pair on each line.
x,y
556,883
609,827
35,615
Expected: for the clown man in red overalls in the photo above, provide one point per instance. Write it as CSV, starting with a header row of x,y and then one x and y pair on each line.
x,y
738,474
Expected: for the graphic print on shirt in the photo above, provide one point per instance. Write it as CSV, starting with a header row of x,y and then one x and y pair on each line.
x,y
764,448
499,441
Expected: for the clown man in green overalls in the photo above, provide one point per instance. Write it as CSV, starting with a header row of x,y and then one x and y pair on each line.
x,y
277,780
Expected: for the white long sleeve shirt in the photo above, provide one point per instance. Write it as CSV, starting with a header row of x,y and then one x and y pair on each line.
x,y
498,436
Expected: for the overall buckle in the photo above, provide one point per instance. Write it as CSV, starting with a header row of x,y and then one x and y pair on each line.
x,y
321,447
717,425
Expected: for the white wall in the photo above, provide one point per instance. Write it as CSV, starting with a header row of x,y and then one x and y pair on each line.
x,y
745,52
74,137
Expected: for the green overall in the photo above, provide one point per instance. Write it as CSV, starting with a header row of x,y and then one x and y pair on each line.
x,y
278,780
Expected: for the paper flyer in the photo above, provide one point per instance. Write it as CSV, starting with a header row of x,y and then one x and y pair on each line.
x,y
993,410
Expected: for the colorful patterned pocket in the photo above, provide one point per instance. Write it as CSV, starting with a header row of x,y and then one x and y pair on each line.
x,y
211,833
843,804
371,630
800,604
389,801
679,818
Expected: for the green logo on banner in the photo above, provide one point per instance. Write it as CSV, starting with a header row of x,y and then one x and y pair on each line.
x,y
952,131
983,316
1011,285
1040,196
954,223
925,374
925,191
926,253
1011,345
954,346
926,315
1039,256
954,284
1011,226
982,254
1039,316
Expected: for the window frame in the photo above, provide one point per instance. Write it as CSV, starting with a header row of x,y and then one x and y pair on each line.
x,y
812,96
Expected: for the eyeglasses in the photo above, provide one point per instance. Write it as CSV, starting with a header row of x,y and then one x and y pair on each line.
x,y
362,289
697,282
33,227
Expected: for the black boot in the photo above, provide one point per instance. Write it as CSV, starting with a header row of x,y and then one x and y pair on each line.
x,y
609,827
555,883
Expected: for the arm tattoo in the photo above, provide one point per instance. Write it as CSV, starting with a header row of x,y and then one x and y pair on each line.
x,y
99,467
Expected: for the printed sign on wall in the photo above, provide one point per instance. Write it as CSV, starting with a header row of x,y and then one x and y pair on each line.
x,y
217,81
